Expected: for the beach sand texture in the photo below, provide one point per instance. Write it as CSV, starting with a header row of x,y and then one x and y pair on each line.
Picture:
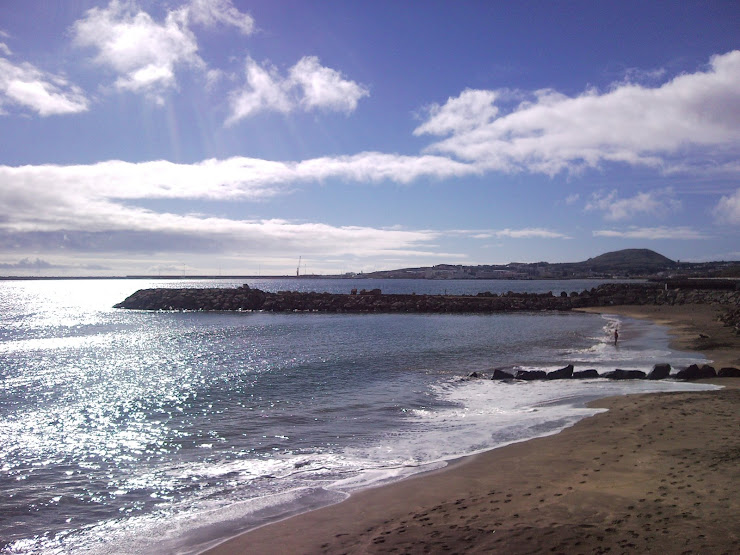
x,y
656,473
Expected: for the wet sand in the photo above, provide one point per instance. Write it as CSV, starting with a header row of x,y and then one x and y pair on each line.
x,y
657,472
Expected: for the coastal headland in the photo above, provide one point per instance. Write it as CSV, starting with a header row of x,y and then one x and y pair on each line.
x,y
656,472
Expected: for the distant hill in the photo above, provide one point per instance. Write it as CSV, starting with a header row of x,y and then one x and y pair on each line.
x,y
630,260
624,263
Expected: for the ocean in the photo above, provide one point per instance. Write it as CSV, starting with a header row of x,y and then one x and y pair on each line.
x,y
138,432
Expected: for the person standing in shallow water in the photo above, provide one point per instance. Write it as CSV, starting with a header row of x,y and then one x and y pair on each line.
x,y
616,336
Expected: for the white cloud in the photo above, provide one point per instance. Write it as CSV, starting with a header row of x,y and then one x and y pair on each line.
x,y
82,222
110,227
524,233
653,233
143,52
264,90
94,205
229,179
470,110
308,86
658,203
146,54
212,12
692,120
530,233
44,93
324,87
377,166
572,199
727,210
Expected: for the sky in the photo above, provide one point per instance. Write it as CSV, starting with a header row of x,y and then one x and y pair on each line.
x,y
233,137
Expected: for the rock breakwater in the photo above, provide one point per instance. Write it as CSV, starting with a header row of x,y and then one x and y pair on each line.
x,y
245,298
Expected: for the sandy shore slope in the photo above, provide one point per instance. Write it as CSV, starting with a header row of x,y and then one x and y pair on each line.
x,y
656,473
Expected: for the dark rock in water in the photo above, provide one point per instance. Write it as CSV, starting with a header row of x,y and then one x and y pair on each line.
x,y
619,374
474,375
693,372
562,374
659,372
530,375
499,374
729,372
585,374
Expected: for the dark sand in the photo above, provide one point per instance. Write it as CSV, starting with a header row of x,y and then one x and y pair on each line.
x,y
656,473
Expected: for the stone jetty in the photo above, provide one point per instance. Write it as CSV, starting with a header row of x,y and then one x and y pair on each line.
x,y
245,298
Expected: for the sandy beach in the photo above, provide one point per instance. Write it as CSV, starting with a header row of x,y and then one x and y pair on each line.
x,y
656,472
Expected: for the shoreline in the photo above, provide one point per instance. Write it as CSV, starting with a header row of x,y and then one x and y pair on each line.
x,y
685,323
582,489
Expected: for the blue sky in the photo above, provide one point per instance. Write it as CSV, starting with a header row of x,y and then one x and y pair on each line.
x,y
229,136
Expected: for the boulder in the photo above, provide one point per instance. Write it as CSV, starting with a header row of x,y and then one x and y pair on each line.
x,y
619,374
693,372
499,374
562,374
709,370
585,374
729,372
659,372
529,375
474,375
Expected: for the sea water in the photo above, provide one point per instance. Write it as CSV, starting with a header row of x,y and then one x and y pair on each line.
x,y
130,432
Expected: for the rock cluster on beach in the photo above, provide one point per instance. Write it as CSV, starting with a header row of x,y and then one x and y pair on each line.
x,y
660,371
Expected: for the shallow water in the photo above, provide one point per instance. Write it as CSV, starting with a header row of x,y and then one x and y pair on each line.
x,y
134,432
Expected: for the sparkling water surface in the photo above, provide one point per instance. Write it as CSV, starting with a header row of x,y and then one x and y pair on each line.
x,y
127,431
